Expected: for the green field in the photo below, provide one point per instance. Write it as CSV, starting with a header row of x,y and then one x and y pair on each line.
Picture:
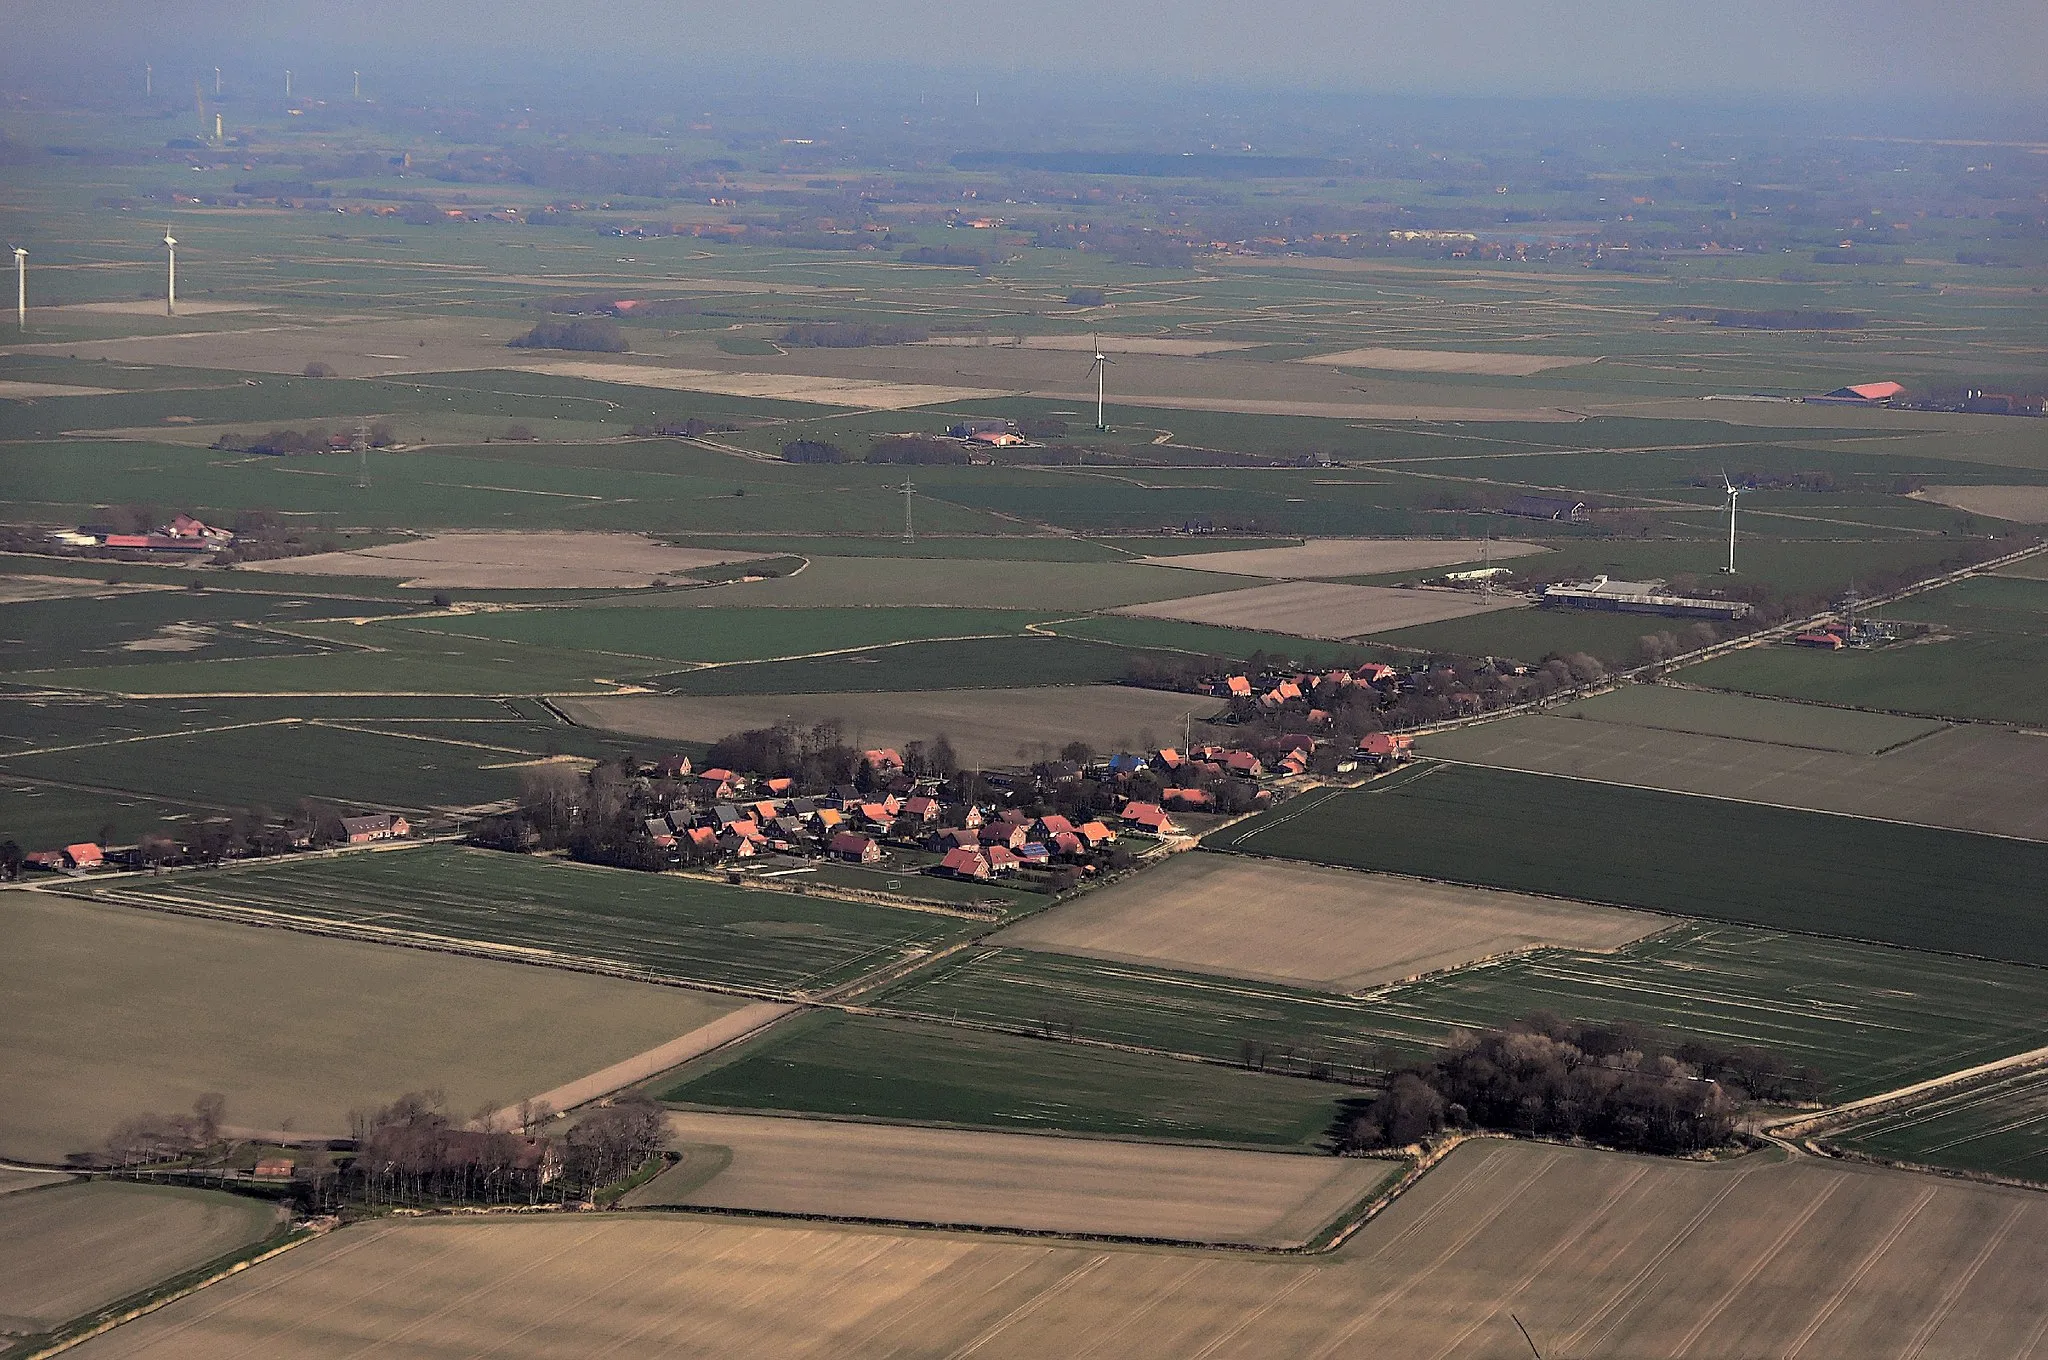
x,y
45,816
1998,1125
993,663
1201,639
1155,1008
657,925
680,632
277,764
1666,708
902,1070
1871,1018
162,627
1692,856
1532,635
1995,676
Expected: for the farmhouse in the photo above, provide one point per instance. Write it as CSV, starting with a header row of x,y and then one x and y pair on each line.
x,y
1149,817
376,826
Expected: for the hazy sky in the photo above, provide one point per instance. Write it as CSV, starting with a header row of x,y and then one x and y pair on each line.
x,y
1909,48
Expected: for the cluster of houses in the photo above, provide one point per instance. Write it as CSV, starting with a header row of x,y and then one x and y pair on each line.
x,y
734,817
184,535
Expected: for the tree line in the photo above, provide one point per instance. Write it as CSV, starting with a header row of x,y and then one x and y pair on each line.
x,y
1621,1085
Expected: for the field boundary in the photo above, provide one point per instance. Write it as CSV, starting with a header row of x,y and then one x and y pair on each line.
x,y
169,1291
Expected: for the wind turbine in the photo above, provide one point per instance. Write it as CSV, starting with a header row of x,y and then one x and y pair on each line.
x,y
21,287
1733,491
171,278
1102,361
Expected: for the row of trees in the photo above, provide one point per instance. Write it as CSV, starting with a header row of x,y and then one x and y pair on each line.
x,y
596,335
849,335
1620,1085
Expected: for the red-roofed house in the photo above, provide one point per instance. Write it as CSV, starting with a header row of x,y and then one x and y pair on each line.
x,y
1000,859
1864,392
855,849
1148,816
1194,800
1095,834
716,782
673,767
1011,834
1055,825
922,810
965,863
1237,687
882,759
84,855
779,788
1830,641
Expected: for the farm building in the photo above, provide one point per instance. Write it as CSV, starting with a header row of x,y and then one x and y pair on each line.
x,y
1639,597
1560,508
1148,817
1862,394
376,826
1824,641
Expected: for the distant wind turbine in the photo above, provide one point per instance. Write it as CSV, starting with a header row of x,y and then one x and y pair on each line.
x,y
171,278
1733,491
1102,361
21,287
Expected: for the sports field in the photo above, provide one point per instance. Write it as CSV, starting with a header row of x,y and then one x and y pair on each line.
x,y
867,1067
1996,1126
1332,929
1600,1256
1968,778
67,1250
1320,609
1007,1180
1845,876
986,726
114,1012
659,926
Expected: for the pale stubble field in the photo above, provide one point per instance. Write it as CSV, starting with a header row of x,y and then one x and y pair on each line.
x,y
1335,929
1601,1256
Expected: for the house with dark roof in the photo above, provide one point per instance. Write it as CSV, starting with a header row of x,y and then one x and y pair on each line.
x,y
853,848
376,826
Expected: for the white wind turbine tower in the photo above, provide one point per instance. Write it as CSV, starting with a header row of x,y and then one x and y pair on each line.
x,y
171,277
21,287
1102,361
1733,491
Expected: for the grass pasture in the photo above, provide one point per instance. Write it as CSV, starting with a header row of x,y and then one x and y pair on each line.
x,y
113,1012
871,1067
277,764
1871,1017
1995,1126
1967,778
1597,1255
1200,1014
67,1250
687,633
1307,926
1052,587
661,926
1007,1180
1666,708
1907,885
1991,677
984,663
